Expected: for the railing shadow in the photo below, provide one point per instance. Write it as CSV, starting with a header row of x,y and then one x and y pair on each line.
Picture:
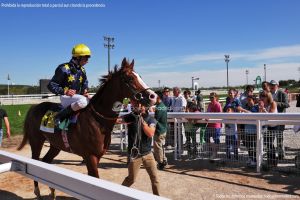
x,y
5,195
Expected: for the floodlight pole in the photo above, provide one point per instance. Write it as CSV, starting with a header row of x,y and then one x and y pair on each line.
x,y
247,72
8,79
227,61
109,46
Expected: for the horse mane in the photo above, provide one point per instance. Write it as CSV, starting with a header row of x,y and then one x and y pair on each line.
x,y
106,78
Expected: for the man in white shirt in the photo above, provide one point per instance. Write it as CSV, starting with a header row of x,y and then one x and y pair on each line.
x,y
282,102
178,101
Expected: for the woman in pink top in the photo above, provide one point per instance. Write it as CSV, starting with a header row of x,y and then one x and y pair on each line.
x,y
213,129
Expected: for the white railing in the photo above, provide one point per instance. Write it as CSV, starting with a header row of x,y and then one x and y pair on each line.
x,y
29,99
73,183
259,119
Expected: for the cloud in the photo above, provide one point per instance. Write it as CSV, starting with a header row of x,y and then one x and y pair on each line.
x,y
268,54
282,63
208,78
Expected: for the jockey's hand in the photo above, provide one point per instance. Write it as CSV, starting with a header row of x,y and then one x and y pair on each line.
x,y
70,92
86,94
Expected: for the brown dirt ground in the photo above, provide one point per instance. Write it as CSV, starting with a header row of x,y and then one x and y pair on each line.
x,y
197,179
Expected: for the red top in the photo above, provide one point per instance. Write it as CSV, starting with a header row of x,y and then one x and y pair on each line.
x,y
214,106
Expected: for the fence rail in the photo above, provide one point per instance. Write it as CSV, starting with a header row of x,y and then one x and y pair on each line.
x,y
196,143
73,183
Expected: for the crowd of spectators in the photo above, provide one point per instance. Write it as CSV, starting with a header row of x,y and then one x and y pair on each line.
x,y
270,99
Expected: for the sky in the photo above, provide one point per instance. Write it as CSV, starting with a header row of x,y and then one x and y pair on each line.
x,y
171,41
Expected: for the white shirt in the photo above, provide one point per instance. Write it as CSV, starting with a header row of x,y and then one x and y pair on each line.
x,y
178,103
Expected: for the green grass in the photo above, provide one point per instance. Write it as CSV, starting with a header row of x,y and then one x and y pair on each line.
x,y
16,121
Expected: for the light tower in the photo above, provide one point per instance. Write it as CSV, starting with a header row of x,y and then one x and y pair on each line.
x,y
227,61
109,46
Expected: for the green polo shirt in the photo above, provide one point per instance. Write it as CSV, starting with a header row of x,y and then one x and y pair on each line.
x,y
161,118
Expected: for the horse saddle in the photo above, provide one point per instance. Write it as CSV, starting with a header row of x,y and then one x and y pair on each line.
x,y
48,124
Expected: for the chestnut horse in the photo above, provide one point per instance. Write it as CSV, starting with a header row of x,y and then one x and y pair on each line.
x,y
90,137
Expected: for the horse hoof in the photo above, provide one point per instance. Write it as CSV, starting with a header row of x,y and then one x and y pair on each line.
x,y
52,194
37,193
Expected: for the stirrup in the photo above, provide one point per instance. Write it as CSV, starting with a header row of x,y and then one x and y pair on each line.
x,y
57,123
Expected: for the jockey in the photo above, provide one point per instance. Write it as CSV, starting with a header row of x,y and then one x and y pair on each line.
x,y
70,81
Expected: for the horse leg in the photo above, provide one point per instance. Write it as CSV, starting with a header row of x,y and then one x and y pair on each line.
x,y
36,148
92,165
48,158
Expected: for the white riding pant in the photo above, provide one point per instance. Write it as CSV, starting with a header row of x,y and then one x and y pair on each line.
x,y
76,101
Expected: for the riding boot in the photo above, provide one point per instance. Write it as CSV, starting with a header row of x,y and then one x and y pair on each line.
x,y
63,114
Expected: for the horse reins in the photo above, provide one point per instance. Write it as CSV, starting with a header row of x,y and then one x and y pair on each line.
x,y
99,115
135,150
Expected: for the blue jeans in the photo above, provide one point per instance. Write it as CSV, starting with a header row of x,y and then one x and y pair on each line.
x,y
1,135
232,142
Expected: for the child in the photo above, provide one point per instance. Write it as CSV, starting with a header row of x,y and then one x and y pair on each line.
x,y
191,127
231,137
250,131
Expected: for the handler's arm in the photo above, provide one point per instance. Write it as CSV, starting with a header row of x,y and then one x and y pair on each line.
x,y
149,130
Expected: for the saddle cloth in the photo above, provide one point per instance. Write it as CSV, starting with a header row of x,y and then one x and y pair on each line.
x,y
48,125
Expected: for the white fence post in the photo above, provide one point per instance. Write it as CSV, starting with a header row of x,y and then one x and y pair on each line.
x,y
259,146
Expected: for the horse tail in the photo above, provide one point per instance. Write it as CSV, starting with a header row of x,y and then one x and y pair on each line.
x,y
26,128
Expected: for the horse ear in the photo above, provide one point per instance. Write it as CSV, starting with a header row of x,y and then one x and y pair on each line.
x,y
124,62
131,65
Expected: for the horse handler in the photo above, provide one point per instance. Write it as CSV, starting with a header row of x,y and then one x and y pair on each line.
x,y
141,129
70,81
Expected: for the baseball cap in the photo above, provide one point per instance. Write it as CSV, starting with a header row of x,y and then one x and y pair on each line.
x,y
166,89
273,82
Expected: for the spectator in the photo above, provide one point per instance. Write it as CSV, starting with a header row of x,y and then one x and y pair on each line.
x,y
231,137
4,117
187,96
233,102
250,132
190,129
266,86
268,105
167,100
281,99
248,92
160,132
199,100
213,129
178,101
141,129
243,99
178,105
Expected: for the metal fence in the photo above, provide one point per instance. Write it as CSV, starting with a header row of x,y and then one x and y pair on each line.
x,y
255,140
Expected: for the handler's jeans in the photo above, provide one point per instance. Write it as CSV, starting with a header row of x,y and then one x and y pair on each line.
x,y
150,165
158,147
76,101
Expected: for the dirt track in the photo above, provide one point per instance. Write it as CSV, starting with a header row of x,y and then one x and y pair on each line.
x,y
181,180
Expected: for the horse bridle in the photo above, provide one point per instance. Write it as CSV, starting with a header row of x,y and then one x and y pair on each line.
x,y
136,94
138,98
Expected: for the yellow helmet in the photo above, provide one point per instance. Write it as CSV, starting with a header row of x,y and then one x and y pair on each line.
x,y
81,50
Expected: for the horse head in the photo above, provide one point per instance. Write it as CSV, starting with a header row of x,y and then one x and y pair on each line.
x,y
134,87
